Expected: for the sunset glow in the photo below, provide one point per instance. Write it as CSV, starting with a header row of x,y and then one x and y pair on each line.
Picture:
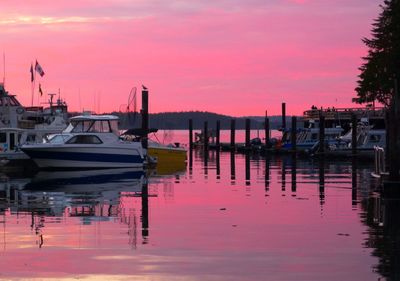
x,y
229,57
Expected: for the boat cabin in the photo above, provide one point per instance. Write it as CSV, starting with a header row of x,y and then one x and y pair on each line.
x,y
12,138
93,124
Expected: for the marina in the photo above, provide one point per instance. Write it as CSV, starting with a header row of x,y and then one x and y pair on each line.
x,y
274,216
192,140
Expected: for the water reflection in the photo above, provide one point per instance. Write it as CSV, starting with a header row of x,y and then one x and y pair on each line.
x,y
226,215
90,195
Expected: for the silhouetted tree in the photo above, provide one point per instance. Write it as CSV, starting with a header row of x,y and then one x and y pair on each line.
x,y
382,63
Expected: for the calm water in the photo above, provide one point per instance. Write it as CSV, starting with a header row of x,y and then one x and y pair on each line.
x,y
223,217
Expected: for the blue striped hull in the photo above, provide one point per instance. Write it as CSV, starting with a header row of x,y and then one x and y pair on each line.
x,y
58,158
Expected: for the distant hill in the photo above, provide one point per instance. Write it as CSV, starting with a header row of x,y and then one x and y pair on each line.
x,y
180,120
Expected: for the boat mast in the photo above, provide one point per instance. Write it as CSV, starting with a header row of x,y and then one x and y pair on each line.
x,y
4,69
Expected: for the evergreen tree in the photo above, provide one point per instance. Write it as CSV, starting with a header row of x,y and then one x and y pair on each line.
x,y
382,64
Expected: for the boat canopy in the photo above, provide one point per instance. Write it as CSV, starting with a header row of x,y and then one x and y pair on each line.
x,y
93,124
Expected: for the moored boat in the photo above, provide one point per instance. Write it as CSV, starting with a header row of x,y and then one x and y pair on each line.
x,y
90,141
166,153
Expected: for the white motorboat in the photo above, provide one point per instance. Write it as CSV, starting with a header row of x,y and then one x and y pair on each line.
x,y
90,141
367,138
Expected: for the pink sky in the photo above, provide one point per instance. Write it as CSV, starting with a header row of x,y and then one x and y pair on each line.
x,y
236,57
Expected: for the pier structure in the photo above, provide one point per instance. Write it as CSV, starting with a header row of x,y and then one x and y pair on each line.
x,y
321,122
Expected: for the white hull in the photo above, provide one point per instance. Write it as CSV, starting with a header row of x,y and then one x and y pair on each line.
x,y
85,156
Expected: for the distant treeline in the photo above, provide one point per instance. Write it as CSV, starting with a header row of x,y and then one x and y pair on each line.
x,y
180,120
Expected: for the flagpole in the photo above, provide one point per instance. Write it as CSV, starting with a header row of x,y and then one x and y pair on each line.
x,y
32,83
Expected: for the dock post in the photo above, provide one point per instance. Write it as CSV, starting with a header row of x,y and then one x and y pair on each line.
x,y
353,134
294,134
266,128
283,115
248,146
191,134
321,133
233,125
205,136
217,135
145,117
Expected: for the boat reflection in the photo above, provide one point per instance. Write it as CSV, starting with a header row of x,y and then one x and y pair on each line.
x,y
123,179
83,197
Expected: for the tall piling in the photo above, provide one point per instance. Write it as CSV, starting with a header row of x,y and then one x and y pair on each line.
x,y
205,136
145,116
233,125
248,124
266,129
283,117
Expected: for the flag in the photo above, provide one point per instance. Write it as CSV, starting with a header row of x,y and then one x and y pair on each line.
x,y
39,69
32,77
40,90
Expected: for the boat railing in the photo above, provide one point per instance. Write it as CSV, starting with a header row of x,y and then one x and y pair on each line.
x,y
344,113
380,168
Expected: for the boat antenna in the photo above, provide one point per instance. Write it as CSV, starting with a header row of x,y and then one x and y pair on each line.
x,y
4,68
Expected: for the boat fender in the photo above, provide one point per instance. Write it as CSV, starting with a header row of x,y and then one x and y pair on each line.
x,y
20,110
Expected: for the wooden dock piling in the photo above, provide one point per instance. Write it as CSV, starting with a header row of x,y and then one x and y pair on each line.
x,y
266,128
283,117
145,117
233,125
248,124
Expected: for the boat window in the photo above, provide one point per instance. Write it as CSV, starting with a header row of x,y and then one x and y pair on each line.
x,y
81,126
84,139
3,137
59,139
31,138
12,141
374,138
114,126
100,126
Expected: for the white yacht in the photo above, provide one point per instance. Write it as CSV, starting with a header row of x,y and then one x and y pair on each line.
x,y
20,125
367,138
90,141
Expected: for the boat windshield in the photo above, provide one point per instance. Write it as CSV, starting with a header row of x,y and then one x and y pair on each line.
x,y
93,126
59,139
